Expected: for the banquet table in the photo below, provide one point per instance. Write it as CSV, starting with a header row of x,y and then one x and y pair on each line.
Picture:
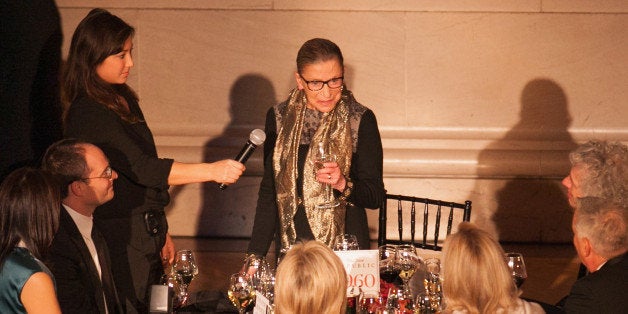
x,y
207,302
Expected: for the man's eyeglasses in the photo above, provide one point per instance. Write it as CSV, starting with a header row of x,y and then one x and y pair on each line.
x,y
107,174
315,86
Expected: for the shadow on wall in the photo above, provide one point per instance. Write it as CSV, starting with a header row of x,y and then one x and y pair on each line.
x,y
30,62
531,205
230,213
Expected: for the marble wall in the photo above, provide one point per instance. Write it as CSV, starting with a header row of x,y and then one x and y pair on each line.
x,y
478,100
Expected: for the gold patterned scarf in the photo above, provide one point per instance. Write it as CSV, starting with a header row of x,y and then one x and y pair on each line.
x,y
334,131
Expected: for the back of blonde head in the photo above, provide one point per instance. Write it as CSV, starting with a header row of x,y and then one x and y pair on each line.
x,y
476,278
310,279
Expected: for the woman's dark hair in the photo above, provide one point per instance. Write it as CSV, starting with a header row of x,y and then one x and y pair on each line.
x,y
29,211
316,50
99,35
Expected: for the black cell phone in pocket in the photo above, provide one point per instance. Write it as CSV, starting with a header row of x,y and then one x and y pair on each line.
x,y
152,223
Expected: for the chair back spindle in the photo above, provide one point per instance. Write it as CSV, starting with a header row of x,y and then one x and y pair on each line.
x,y
431,238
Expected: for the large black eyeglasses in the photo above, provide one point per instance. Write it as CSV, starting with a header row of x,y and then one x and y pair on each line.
x,y
107,174
315,86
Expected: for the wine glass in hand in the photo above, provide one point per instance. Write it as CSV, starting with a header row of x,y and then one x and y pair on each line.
x,y
241,292
517,268
321,157
185,265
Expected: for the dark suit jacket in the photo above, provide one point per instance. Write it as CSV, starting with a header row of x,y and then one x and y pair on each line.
x,y
604,291
79,288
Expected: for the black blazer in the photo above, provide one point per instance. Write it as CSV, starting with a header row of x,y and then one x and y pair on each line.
x,y
603,291
79,288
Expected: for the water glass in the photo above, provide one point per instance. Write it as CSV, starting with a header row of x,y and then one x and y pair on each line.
x,y
424,304
370,302
241,292
173,281
346,242
400,301
353,299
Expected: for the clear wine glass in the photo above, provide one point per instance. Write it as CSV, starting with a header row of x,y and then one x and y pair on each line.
x,y
258,269
173,281
370,303
432,283
388,270
517,267
346,242
241,292
399,301
322,156
185,266
408,262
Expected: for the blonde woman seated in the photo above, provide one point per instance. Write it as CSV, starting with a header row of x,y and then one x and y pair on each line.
x,y
310,279
476,278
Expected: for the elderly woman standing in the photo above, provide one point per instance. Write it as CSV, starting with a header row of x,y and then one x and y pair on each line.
x,y
320,110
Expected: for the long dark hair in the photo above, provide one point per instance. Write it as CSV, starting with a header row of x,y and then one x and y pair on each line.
x,y
99,35
29,211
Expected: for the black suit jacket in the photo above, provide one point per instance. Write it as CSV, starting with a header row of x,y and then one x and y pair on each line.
x,y
79,288
603,291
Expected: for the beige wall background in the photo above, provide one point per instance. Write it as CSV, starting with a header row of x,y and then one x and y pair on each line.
x,y
478,100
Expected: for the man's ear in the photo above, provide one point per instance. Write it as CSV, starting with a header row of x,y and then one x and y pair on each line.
x,y
586,246
75,188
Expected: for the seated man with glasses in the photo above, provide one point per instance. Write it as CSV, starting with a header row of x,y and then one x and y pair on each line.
x,y
79,258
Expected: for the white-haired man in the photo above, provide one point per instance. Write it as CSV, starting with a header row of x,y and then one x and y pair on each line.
x,y
601,240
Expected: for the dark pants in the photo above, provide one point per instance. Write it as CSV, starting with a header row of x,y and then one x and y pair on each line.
x,y
135,258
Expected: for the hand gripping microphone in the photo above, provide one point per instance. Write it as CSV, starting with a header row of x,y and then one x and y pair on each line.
x,y
256,138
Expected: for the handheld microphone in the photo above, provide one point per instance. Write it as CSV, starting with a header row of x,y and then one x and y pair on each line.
x,y
256,138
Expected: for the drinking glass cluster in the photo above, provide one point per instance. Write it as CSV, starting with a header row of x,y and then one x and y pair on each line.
x,y
397,265
257,277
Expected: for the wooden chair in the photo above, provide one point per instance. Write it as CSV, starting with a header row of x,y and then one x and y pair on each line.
x,y
436,215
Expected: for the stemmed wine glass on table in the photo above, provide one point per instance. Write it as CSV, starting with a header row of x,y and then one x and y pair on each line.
x,y
173,281
407,261
322,155
261,275
430,300
241,292
388,270
399,301
517,267
185,266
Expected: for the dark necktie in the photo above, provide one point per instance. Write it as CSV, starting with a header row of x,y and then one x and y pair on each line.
x,y
111,297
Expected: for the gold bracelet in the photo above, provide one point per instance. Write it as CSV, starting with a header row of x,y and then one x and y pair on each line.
x,y
347,192
252,256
